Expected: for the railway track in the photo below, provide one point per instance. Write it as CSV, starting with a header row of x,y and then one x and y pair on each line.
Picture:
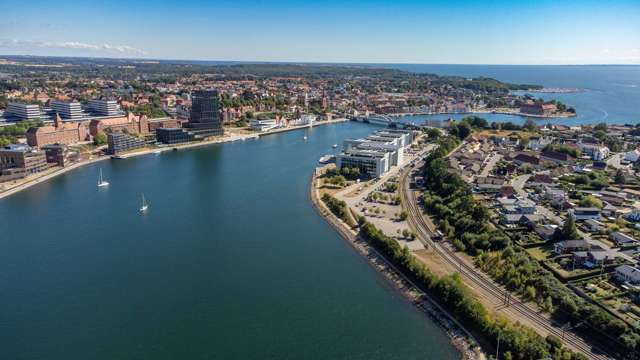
x,y
424,230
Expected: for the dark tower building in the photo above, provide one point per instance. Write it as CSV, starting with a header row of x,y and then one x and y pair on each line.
x,y
205,113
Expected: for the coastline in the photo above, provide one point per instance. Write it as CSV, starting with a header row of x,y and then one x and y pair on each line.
x,y
485,112
232,138
459,337
48,176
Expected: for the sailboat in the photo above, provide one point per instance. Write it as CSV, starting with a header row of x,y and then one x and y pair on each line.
x,y
144,206
101,181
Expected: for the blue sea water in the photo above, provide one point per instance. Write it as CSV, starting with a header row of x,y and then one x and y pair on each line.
x,y
608,93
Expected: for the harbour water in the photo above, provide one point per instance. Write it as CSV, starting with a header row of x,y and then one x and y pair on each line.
x,y
607,93
229,262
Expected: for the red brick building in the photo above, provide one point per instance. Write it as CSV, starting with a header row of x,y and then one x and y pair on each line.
x,y
59,133
130,123
538,109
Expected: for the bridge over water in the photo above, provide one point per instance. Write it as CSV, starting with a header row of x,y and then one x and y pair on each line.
x,y
389,121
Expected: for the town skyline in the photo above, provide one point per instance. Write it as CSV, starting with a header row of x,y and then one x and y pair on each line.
x,y
465,32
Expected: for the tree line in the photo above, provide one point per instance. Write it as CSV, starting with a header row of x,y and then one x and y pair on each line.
x,y
516,341
465,221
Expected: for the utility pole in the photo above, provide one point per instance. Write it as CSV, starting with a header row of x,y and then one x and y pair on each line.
x,y
498,346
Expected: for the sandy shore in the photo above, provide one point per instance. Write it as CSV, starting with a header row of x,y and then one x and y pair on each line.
x,y
460,337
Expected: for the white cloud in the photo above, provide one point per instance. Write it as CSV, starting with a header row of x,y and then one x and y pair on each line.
x,y
30,44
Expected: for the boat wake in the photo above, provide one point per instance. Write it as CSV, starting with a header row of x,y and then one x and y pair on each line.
x,y
605,113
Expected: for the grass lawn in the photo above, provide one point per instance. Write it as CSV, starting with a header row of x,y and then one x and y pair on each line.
x,y
540,253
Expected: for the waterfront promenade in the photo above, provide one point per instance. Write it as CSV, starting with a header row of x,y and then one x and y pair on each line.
x,y
10,188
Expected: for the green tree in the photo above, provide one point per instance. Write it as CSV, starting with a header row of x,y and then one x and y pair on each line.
x,y
619,178
530,125
433,133
600,127
568,231
591,201
462,130
599,134
100,139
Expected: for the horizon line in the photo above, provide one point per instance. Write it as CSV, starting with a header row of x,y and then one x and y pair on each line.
x,y
310,61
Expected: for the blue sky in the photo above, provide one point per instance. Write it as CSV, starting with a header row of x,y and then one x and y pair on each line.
x,y
454,32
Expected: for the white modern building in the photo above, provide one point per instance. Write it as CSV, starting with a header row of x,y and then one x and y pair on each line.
x,y
308,119
20,111
263,125
372,163
68,109
377,153
104,107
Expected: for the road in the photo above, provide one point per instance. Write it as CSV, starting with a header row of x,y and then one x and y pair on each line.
x,y
490,164
480,282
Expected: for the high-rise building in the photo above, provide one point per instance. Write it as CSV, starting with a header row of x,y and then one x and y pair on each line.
x,y
205,113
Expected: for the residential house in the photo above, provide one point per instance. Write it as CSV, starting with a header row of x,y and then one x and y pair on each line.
x,y
609,210
537,143
622,239
532,160
633,215
632,156
594,258
557,157
557,197
628,274
596,152
545,231
568,246
582,213
592,225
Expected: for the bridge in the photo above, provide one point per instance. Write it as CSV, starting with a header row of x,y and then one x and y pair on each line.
x,y
386,120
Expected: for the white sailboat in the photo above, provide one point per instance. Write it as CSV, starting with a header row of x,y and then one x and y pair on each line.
x,y
101,181
144,206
